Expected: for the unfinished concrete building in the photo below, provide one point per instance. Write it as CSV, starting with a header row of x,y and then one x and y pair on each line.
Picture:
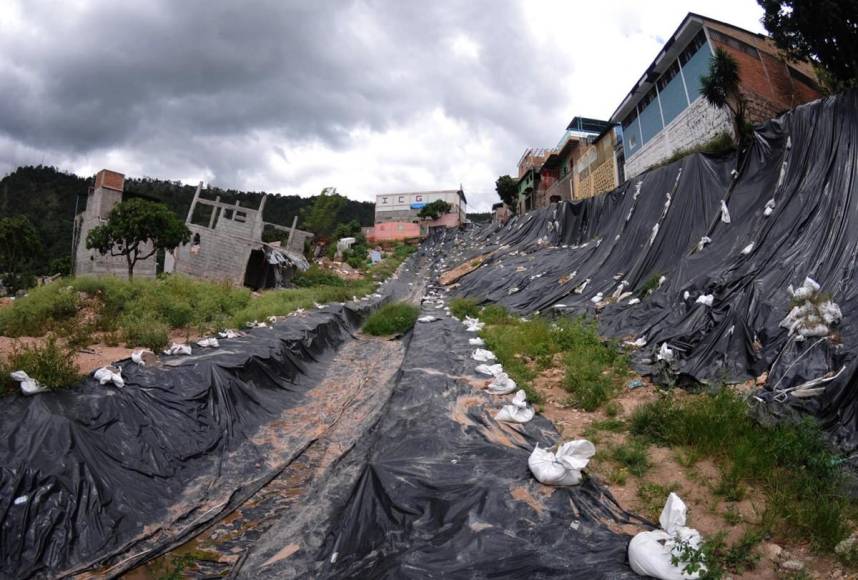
x,y
101,198
226,245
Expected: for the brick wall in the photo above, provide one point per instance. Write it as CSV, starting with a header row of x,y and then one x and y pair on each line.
x,y
218,256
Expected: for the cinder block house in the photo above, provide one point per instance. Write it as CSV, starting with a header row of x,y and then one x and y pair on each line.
x,y
664,111
396,214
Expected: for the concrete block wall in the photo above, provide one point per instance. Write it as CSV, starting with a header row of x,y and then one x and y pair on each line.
x,y
698,123
219,256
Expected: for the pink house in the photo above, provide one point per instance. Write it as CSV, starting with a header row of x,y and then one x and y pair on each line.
x,y
390,231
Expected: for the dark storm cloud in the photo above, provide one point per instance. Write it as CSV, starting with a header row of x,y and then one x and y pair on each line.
x,y
113,74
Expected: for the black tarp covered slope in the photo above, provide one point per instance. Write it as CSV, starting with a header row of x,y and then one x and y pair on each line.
x,y
442,490
98,469
806,161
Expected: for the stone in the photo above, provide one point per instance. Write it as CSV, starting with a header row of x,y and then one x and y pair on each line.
x,y
847,546
772,552
793,565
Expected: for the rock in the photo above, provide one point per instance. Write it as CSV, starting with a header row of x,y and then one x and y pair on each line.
x,y
761,380
847,546
772,552
793,565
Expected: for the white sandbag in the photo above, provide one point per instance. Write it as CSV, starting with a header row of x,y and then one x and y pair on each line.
x,y
139,356
597,298
748,249
563,467
830,312
29,385
176,349
652,553
427,318
704,241
770,207
705,299
517,411
639,343
634,301
473,324
483,355
106,375
229,333
490,370
665,353
476,341
502,384
725,213
208,342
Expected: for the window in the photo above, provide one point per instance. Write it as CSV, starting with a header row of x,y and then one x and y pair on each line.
x,y
671,93
227,214
240,216
692,47
734,43
384,199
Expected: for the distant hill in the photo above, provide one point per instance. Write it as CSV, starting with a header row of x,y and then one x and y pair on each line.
x,y
48,197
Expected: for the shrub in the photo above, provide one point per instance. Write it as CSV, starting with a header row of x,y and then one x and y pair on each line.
x,y
50,364
145,331
494,314
317,276
40,310
390,319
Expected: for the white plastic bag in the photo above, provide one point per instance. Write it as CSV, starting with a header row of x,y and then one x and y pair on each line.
x,y
29,386
665,353
208,343
476,341
106,375
473,324
517,411
483,355
490,370
652,553
139,356
563,467
725,213
427,318
502,385
705,299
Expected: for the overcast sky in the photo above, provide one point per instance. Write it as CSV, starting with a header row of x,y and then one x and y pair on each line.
x,y
291,97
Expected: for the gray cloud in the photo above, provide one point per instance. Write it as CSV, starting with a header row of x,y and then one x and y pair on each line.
x,y
221,88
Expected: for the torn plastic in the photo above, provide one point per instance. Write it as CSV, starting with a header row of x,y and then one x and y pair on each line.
x,y
517,411
563,467
652,553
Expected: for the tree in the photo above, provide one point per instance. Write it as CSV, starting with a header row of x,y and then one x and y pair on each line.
x,y
19,247
322,217
720,86
434,210
347,230
507,189
134,224
822,31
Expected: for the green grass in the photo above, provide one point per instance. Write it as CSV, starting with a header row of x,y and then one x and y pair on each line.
x,y
317,276
143,312
649,286
720,144
50,364
593,367
633,456
462,307
653,496
790,463
395,318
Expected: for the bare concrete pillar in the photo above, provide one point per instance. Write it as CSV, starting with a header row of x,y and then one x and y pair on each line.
x,y
194,203
215,209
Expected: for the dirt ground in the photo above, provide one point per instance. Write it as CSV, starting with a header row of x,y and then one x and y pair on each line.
x,y
694,483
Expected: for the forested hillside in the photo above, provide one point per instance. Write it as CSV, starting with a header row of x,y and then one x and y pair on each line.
x,y
48,197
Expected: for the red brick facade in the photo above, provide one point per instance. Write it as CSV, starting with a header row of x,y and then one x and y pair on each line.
x,y
770,84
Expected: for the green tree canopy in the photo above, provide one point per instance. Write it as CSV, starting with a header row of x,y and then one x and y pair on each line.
x,y
507,189
20,246
434,210
720,86
822,31
322,217
132,225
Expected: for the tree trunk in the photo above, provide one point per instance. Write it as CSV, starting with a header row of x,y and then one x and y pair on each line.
x,y
130,266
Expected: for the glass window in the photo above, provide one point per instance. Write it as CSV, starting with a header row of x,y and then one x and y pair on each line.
x,y
631,135
672,93
650,116
695,64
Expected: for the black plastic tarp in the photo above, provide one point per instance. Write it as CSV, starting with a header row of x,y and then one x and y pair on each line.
x,y
806,161
97,470
439,489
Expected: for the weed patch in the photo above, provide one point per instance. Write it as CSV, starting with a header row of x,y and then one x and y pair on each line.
x,y
790,463
632,455
390,319
462,307
50,364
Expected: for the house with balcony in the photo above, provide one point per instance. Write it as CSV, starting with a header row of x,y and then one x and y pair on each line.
x,y
664,112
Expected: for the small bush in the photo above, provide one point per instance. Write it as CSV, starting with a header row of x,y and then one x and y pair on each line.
x,y
462,307
494,314
317,276
50,364
390,319
147,332
650,286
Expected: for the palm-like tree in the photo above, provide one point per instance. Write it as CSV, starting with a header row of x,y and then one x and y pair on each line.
x,y
720,86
